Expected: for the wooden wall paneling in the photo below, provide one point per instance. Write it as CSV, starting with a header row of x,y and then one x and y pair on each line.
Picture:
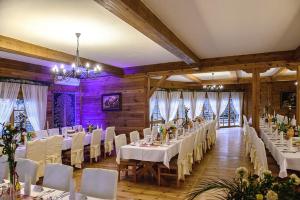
x,y
298,96
255,99
134,113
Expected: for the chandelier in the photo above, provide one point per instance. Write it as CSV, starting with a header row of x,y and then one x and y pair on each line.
x,y
76,70
213,87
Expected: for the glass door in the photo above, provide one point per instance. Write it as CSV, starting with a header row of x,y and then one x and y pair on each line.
x,y
229,118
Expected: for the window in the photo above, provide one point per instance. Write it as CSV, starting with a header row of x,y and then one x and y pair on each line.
x,y
156,114
229,117
208,114
180,111
19,109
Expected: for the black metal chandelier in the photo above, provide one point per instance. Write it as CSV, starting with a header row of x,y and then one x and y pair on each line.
x,y
77,70
213,87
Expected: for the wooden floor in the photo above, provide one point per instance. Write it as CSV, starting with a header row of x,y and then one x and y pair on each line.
x,y
221,161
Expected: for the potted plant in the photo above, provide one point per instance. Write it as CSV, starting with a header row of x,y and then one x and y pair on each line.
x,y
249,187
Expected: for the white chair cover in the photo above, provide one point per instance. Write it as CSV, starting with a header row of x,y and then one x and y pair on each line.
x,y
77,149
99,183
54,149
109,140
120,141
26,167
41,134
134,136
64,130
95,145
182,162
3,167
77,128
36,151
146,131
53,131
57,176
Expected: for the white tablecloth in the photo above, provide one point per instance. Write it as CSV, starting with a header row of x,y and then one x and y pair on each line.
x,y
286,158
67,143
162,153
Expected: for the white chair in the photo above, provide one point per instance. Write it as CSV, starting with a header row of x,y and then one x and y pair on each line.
x,y
262,162
146,131
36,151
99,183
64,130
3,167
54,149
41,134
77,149
95,146
58,176
78,128
53,131
178,167
27,168
123,165
134,136
109,140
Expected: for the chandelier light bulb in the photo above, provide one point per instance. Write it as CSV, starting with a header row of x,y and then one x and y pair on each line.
x,y
296,83
87,65
64,71
73,65
62,66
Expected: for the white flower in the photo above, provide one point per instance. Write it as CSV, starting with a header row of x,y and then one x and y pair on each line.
x,y
241,171
245,182
271,195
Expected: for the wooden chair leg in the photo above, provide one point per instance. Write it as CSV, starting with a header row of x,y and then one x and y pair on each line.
x,y
158,176
119,173
134,173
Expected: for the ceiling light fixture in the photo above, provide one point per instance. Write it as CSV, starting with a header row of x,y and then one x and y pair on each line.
x,y
213,87
76,70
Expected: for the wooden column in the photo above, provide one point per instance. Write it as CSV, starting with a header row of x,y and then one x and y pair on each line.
x,y
298,96
147,91
255,99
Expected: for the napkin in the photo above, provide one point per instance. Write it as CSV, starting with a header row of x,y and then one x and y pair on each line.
x,y
27,185
72,190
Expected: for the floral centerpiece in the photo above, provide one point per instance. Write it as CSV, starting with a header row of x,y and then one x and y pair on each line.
x,y
187,122
199,119
90,127
249,187
10,142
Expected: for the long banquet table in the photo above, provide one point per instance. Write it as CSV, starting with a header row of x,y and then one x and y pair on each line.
x,y
67,143
285,157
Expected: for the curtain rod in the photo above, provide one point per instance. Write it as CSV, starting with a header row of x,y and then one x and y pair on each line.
x,y
24,81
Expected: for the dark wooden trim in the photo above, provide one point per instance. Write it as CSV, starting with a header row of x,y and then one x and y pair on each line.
x,y
136,14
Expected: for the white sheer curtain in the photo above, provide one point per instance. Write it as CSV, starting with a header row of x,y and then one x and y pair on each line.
x,y
35,100
8,96
162,98
187,101
174,103
224,100
237,101
213,101
152,103
199,98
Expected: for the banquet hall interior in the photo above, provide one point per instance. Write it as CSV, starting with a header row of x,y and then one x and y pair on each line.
x,y
149,99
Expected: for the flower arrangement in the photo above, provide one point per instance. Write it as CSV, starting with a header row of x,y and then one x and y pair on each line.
x,y
199,119
90,127
187,122
10,141
250,187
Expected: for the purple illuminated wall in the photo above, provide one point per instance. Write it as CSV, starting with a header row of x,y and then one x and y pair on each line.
x,y
132,116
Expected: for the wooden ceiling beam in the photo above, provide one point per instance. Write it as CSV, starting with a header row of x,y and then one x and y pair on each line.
x,y
262,61
193,78
278,72
136,14
234,75
11,45
158,84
